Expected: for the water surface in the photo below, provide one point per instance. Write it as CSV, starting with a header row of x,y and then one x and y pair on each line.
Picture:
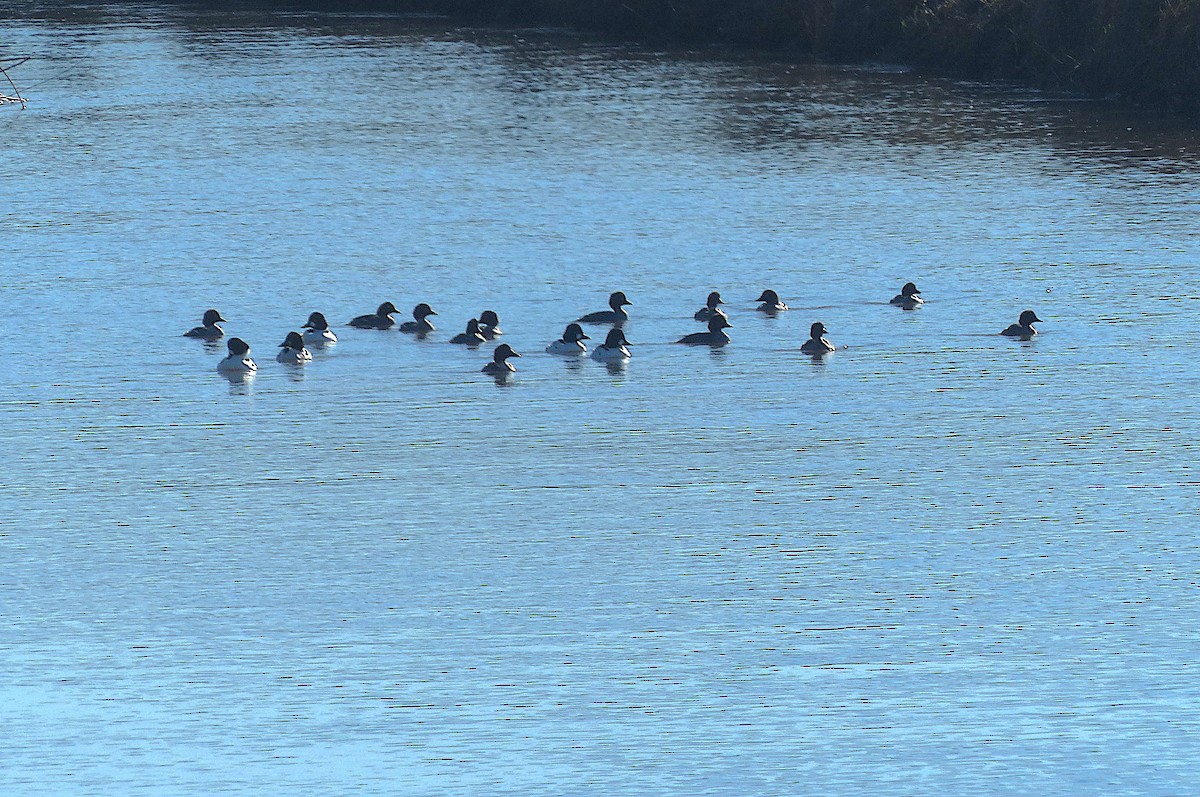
x,y
938,560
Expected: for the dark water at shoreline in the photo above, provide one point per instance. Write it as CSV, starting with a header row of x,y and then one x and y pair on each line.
x,y
940,560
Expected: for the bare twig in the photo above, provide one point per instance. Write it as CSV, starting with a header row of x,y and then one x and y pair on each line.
x,y
16,91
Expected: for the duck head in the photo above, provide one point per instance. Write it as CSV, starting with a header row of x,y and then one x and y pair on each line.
x,y
316,321
237,347
615,339
503,352
292,341
211,317
574,334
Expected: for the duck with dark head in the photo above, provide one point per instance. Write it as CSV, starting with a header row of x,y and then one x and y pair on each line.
x,y
471,336
909,297
614,349
712,306
715,336
500,366
1023,329
380,319
420,325
238,361
770,303
292,351
317,331
816,344
489,325
571,342
614,315
208,329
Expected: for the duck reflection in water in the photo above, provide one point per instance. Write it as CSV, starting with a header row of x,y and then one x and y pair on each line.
x,y
241,383
616,367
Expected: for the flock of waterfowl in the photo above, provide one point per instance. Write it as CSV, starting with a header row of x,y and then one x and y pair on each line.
x,y
294,349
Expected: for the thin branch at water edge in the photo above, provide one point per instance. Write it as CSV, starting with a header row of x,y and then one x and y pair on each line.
x,y
16,97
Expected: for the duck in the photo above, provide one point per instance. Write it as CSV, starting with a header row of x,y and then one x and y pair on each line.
x,y
1023,329
380,319
317,331
770,303
421,325
208,330
909,297
489,325
614,347
715,336
710,307
614,316
500,366
571,342
237,362
292,350
816,344
472,336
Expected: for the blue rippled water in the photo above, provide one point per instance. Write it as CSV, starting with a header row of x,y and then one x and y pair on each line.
x,y
939,560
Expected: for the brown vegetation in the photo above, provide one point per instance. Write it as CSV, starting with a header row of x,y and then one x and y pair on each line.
x,y
1145,50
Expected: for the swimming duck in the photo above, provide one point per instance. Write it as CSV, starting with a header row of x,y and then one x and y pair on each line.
x,y
380,319
422,324
710,307
292,350
614,316
571,343
209,331
499,366
613,348
715,336
770,303
909,297
472,336
317,331
816,344
237,361
489,325
1023,329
